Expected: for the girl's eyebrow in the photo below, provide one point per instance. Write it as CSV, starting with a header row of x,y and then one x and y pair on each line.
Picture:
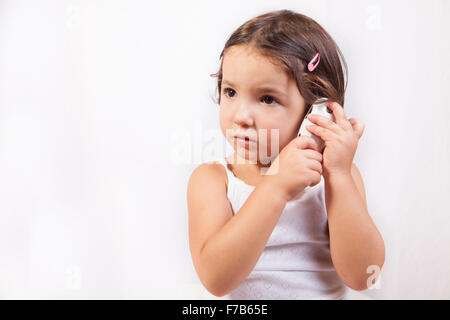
x,y
270,89
228,82
266,88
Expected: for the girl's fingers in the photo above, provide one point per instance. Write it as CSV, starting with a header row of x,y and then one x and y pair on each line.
x,y
339,115
324,122
305,142
313,154
324,134
315,165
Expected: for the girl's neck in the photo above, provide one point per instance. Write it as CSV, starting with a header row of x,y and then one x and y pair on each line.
x,y
246,170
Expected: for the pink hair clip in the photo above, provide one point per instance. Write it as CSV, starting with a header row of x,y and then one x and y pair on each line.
x,y
311,65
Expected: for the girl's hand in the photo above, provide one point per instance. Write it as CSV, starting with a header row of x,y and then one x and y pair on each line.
x,y
340,138
297,166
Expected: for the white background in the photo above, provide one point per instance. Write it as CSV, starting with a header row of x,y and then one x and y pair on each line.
x,y
96,95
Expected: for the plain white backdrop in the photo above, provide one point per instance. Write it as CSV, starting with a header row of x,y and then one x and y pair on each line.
x,y
106,108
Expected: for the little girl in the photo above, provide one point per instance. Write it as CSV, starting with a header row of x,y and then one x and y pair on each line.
x,y
294,225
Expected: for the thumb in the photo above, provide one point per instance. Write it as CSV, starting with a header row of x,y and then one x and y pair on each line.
x,y
358,126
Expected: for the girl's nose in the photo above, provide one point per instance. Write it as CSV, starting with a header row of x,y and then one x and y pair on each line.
x,y
243,116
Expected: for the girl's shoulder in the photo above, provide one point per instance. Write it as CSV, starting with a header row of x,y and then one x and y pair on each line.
x,y
210,174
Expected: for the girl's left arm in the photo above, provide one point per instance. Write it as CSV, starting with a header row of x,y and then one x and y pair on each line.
x,y
356,246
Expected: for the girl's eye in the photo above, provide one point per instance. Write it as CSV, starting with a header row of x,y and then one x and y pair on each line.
x,y
227,90
269,99
266,99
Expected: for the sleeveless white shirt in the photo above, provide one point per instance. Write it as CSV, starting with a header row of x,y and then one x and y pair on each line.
x,y
296,262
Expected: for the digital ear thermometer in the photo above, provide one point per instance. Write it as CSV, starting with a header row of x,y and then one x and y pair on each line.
x,y
319,107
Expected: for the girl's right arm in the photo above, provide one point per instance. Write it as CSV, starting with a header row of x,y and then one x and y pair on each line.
x,y
226,248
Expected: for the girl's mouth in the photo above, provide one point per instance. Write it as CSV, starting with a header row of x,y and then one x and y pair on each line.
x,y
243,141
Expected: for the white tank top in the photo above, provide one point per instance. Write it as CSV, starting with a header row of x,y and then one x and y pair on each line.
x,y
296,262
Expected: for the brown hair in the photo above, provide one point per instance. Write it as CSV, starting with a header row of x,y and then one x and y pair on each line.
x,y
291,40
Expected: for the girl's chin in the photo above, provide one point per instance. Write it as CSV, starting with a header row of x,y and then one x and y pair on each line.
x,y
252,157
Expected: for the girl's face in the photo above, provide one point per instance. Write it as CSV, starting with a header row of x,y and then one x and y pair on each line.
x,y
257,96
